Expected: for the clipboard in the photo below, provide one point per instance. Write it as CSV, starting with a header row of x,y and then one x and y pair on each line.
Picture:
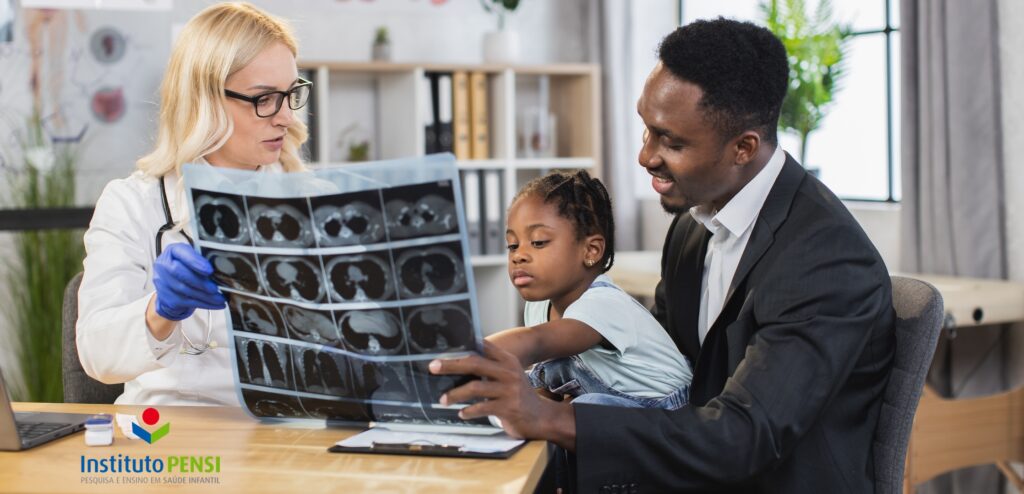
x,y
380,440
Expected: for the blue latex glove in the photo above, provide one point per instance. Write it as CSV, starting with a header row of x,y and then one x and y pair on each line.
x,y
183,283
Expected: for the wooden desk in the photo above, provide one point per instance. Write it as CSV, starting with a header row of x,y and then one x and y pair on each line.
x,y
257,457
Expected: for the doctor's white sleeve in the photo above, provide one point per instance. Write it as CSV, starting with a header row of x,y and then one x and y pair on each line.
x,y
114,342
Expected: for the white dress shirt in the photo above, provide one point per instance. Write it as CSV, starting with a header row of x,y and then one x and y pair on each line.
x,y
114,342
730,229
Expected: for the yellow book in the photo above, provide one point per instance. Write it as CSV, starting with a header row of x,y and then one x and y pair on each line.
x,y
478,109
460,116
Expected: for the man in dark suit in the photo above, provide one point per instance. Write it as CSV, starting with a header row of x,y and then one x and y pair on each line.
x,y
768,285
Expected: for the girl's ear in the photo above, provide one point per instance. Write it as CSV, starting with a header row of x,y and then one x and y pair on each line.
x,y
593,249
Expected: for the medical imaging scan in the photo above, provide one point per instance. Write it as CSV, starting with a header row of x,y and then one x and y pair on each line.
x,y
322,372
360,278
348,219
264,363
336,412
312,326
221,217
431,387
431,270
280,222
254,315
440,328
263,404
420,210
372,332
342,285
389,387
235,270
293,277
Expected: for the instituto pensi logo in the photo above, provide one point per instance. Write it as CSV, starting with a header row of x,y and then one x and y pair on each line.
x,y
150,417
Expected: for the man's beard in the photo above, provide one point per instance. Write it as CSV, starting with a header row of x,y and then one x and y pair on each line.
x,y
672,209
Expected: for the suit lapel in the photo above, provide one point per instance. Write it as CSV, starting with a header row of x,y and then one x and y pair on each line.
x,y
690,267
773,214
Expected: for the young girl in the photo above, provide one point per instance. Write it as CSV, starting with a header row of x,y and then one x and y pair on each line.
x,y
589,339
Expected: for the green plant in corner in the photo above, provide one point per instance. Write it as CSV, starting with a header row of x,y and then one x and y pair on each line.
x,y
500,8
816,48
381,37
43,263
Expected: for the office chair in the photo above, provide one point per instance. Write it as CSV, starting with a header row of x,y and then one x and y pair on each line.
x,y
78,386
919,315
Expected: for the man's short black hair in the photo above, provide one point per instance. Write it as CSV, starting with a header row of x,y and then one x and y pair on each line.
x,y
740,67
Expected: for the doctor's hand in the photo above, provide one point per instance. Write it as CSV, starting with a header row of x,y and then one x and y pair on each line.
x,y
183,283
507,394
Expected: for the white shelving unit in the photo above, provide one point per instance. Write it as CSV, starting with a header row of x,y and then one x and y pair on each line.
x,y
385,102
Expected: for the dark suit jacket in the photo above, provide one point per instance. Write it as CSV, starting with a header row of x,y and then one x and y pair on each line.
x,y
788,383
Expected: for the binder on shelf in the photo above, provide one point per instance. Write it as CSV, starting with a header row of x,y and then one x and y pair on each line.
x,y
493,213
429,113
444,113
471,201
479,131
308,114
461,137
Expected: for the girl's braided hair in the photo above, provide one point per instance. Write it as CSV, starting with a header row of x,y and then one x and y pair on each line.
x,y
581,199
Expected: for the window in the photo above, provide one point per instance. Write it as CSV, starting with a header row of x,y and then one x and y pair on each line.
x,y
856,149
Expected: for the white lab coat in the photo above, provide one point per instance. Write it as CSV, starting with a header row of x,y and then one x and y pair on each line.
x,y
114,342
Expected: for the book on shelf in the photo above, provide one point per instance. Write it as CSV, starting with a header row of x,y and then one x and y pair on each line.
x,y
479,116
429,112
308,114
471,201
461,136
444,113
493,203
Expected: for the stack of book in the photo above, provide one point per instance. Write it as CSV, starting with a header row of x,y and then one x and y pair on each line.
x,y
456,115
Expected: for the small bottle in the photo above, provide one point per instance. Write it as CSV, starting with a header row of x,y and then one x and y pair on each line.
x,y
99,430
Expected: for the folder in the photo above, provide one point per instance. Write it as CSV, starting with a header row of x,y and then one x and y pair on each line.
x,y
471,201
429,113
444,113
308,114
479,128
461,138
382,440
493,211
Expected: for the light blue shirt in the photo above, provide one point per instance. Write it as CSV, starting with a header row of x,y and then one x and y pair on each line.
x,y
645,361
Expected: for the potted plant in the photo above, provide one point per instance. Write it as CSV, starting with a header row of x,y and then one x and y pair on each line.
x,y
381,45
501,45
816,47
42,263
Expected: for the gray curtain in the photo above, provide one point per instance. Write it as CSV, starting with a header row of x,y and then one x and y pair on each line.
x,y
611,42
953,213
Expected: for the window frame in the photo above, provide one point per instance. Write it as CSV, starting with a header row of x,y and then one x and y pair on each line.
x,y
887,30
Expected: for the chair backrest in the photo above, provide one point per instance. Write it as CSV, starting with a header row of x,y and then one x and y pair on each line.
x,y
919,316
78,386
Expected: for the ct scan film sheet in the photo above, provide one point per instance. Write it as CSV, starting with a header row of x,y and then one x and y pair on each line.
x,y
342,284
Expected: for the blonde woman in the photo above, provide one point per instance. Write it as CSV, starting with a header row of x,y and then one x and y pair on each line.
x,y
150,315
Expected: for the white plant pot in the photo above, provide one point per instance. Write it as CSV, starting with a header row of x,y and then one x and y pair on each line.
x,y
501,46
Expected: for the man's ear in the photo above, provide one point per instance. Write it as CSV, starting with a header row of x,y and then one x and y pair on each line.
x,y
747,146
593,248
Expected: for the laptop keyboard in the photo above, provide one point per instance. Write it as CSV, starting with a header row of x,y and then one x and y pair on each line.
x,y
32,430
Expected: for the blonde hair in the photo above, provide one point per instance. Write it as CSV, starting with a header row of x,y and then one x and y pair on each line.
x,y
193,122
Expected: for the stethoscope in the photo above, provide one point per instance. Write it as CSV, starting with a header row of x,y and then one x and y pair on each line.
x,y
189,348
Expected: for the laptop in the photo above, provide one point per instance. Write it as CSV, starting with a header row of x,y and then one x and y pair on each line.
x,y
24,430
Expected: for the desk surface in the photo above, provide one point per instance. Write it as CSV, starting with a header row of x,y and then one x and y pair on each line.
x,y
968,301
255,457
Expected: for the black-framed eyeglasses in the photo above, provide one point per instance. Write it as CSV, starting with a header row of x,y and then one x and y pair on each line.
x,y
269,103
